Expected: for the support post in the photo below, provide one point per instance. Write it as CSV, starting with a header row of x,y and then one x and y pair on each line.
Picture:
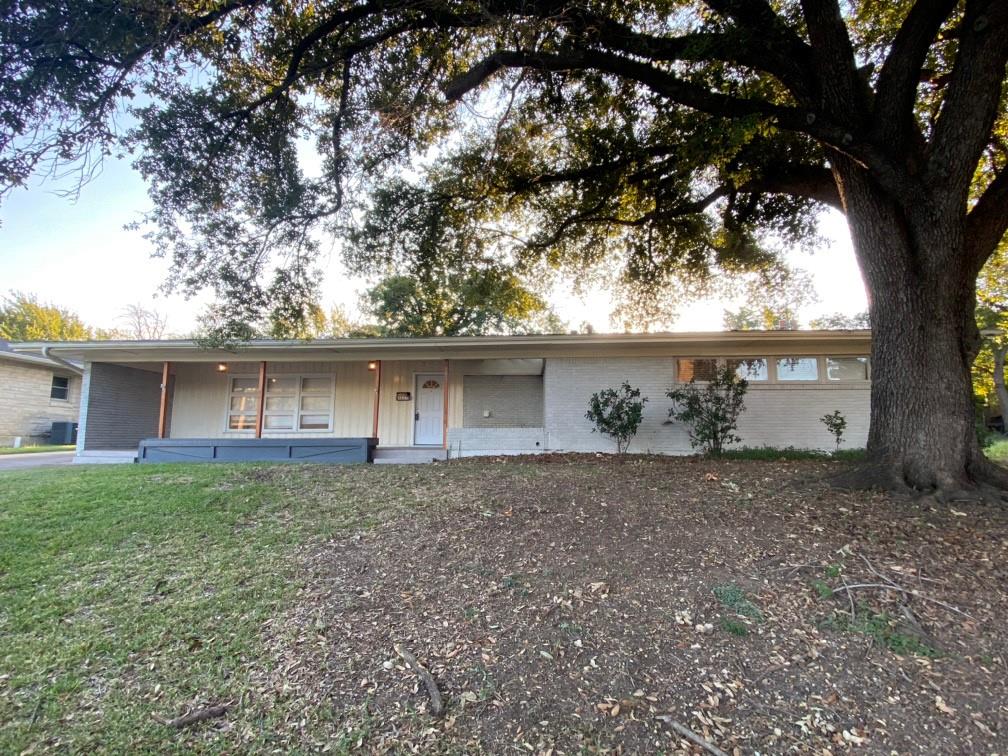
x,y
377,399
261,405
444,427
162,427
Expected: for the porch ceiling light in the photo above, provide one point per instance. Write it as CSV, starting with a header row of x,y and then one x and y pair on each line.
x,y
372,365
221,367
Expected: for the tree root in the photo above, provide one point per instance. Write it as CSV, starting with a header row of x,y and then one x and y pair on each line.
x,y
983,483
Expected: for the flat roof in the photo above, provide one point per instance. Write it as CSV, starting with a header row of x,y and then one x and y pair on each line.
x,y
454,347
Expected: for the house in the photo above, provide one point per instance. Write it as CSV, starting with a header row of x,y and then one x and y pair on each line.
x,y
35,392
426,398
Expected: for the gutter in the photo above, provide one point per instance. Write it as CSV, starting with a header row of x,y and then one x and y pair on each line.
x,y
59,360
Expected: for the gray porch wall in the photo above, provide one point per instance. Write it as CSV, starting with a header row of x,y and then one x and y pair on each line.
x,y
119,407
511,401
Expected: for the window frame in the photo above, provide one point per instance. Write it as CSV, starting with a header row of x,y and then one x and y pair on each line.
x,y
295,413
798,381
722,362
838,381
66,388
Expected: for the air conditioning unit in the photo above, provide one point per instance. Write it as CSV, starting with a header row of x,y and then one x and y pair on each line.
x,y
63,433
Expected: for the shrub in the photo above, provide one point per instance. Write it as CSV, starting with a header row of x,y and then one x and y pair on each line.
x,y
835,424
617,413
711,410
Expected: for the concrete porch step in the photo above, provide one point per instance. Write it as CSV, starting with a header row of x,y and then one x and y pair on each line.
x,y
408,455
105,457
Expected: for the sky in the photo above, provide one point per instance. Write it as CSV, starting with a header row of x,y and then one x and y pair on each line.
x,y
77,254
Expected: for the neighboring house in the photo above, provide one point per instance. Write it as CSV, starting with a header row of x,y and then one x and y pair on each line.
x,y
35,392
437,397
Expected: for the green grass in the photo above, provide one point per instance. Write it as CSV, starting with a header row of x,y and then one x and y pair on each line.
x,y
35,449
790,453
884,630
734,598
734,627
129,592
997,450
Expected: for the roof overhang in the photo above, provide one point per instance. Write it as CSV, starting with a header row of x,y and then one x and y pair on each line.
x,y
35,360
697,344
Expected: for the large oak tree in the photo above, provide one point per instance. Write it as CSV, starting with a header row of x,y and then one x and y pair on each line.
x,y
671,136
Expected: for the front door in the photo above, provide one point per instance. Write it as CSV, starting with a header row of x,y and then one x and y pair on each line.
x,y
428,416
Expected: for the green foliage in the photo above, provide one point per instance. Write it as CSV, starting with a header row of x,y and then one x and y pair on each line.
x,y
659,148
838,321
711,410
733,597
997,448
789,453
884,630
617,413
484,300
734,627
822,588
24,318
989,372
836,424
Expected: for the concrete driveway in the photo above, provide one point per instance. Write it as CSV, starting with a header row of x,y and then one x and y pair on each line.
x,y
39,459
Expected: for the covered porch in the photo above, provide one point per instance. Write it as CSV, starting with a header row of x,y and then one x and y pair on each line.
x,y
324,410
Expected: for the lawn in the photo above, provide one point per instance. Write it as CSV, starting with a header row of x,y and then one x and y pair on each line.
x,y
35,449
578,604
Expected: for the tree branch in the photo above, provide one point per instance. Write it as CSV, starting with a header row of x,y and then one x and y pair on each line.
x,y
841,91
896,88
692,96
987,222
967,116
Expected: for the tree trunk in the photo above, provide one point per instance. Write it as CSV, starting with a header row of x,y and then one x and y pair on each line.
x,y
922,300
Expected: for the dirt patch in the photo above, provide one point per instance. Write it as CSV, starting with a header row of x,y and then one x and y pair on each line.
x,y
573,604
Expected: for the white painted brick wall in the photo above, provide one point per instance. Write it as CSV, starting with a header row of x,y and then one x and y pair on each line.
x,y
776,415
472,442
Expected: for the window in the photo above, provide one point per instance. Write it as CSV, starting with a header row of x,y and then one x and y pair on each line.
x,y
243,404
847,368
281,402
60,388
797,369
750,368
316,404
688,369
293,403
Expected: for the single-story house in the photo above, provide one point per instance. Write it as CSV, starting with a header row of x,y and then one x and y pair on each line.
x,y
35,392
425,398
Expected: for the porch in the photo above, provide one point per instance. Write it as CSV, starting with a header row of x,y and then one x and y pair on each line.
x,y
325,411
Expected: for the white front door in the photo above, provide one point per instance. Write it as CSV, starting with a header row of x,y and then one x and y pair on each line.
x,y
428,416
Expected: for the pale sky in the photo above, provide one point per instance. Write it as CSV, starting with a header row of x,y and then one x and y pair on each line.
x,y
78,255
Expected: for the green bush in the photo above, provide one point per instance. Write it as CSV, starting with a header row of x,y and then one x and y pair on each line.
x,y
711,410
617,413
836,424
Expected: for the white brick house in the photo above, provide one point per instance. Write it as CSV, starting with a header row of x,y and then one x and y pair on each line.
x,y
35,392
458,396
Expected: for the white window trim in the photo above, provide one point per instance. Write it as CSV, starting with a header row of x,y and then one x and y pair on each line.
x,y
298,377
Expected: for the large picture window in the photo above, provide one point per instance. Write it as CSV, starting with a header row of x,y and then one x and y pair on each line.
x,y
293,403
